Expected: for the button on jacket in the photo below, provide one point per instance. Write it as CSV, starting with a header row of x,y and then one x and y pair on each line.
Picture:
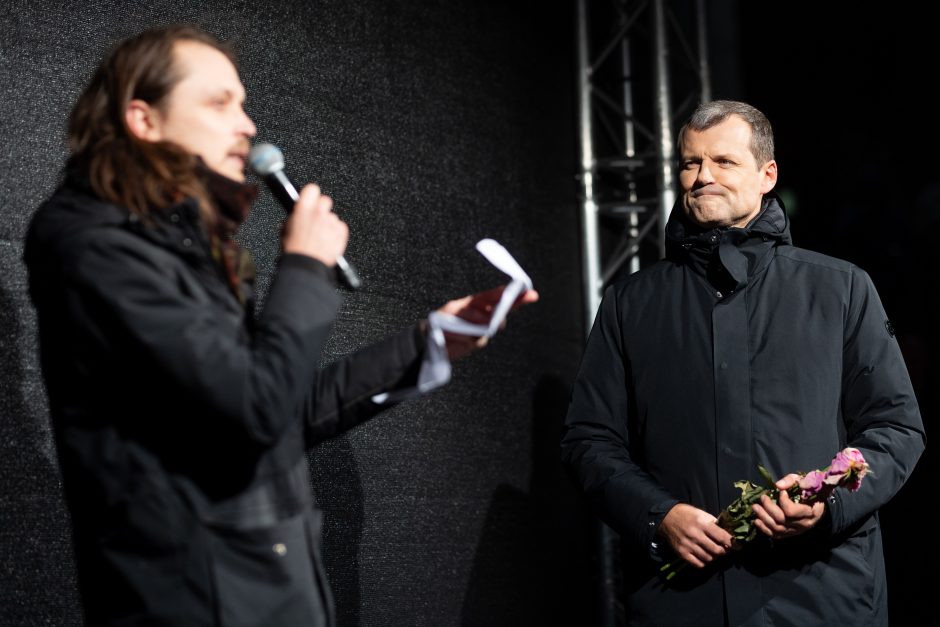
x,y
182,420
740,349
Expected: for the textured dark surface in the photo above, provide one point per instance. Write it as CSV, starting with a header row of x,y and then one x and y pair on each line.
x,y
432,125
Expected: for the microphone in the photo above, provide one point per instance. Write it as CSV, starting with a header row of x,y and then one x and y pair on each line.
x,y
267,161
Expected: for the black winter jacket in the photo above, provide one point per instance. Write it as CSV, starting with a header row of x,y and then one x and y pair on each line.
x,y
182,421
736,350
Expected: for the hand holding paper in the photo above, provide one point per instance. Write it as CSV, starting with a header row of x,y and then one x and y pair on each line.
x,y
481,315
466,324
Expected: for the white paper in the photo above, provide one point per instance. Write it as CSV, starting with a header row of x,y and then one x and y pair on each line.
x,y
497,255
435,368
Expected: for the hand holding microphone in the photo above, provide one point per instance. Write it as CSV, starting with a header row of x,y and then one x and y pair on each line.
x,y
312,228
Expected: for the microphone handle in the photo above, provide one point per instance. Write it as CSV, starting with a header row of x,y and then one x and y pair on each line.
x,y
286,194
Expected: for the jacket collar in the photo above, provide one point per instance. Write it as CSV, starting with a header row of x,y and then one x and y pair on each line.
x,y
728,256
175,226
232,199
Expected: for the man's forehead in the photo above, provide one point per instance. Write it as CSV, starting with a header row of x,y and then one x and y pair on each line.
x,y
206,67
730,135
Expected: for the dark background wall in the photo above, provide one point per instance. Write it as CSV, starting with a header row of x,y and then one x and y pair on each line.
x,y
432,125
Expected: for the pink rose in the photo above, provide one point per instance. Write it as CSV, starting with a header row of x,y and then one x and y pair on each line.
x,y
859,465
855,456
840,464
836,473
849,465
812,483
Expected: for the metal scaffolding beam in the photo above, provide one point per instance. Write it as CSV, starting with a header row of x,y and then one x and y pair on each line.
x,y
628,79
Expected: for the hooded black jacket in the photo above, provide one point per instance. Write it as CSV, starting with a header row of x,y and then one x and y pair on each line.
x,y
182,421
736,350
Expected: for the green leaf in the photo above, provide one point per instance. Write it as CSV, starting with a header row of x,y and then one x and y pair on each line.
x,y
766,475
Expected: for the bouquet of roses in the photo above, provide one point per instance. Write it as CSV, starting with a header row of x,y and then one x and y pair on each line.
x,y
846,470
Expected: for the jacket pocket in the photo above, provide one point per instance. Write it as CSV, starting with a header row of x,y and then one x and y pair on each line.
x,y
267,577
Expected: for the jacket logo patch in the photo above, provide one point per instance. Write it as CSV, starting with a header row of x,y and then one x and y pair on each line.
x,y
889,327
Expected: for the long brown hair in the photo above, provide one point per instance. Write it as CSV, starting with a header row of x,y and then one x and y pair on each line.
x,y
121,168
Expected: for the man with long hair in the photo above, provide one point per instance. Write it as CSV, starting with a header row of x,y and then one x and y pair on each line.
x,y
181,418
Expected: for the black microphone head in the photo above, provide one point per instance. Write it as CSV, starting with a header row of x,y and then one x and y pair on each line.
x,y
265,159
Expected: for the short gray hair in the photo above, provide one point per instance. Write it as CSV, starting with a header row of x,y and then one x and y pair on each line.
x,y
709,114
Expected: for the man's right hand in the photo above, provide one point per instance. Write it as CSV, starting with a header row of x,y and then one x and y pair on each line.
x,y
693,535
313,229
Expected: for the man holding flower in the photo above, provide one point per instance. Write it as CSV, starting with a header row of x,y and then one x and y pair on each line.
x,y
741,351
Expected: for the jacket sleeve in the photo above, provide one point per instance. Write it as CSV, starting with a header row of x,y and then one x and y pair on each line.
x,y
342,396
168,325
595,445
879,411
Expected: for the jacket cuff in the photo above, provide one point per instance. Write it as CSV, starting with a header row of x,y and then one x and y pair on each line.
x,y
420,334
655,518
833,512
308,264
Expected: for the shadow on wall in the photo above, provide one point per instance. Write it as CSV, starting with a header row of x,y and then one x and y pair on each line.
x,y
343,515
39,584
533,551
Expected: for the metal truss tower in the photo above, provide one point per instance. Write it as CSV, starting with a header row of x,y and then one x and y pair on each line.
x,y
642,67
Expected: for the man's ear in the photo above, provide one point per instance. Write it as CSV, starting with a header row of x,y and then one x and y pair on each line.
x,y
143,121
770,177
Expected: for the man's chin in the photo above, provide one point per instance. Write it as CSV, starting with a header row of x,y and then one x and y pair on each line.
x,y
235,174
707,217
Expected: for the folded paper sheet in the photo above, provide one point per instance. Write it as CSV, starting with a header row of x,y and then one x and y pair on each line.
x,y
435,369
499,257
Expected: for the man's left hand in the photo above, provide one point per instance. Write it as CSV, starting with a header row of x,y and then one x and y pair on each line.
x,y
786,518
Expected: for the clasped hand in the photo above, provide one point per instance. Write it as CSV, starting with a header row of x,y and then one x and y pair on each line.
x,y
786,518
694,536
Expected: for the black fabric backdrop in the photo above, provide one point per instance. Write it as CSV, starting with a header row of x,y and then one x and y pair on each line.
x,y
432,125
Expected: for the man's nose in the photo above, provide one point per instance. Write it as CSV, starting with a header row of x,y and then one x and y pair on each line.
x,y
704,174
246,126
